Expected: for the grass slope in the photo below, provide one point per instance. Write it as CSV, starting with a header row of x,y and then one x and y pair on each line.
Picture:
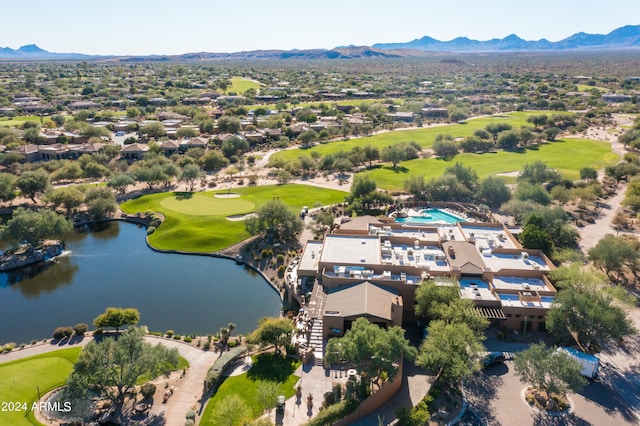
x,y
266,367
241,85
424,136
20,378
189,227
568,156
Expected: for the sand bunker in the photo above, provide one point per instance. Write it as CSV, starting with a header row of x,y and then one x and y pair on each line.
x,y
229,195
238,217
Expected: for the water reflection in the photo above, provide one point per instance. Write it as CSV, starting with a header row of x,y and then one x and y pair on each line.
x,y
45,277
111,265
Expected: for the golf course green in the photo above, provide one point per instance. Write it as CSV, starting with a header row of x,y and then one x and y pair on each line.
x,y
200,222
22,379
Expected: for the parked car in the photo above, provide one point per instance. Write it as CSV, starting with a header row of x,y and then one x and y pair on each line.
x,y
492,359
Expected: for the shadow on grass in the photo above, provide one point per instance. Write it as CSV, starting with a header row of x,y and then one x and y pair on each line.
x,y
183,195
271,367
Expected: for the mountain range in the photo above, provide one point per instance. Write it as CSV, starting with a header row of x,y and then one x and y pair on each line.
x,y
627,37
621,38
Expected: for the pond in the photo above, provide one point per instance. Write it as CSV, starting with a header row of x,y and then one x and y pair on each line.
x,y
111,265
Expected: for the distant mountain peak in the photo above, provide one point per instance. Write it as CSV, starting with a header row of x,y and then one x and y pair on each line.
x,y
31,48
621,38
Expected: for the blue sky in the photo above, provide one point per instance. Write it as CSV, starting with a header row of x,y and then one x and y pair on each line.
x,y
140,27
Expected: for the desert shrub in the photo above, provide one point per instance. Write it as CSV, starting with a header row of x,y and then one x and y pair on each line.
x,y
98,331
280,258
191,415
329,399
189,422
80,329
188,339
8,347
177,337
232,344
151,230
155,333
169,333
334,413
281,270
148,390
62,332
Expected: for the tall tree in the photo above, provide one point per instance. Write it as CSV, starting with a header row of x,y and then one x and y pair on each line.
x,y
273,331
231,411
371,348
493,192
274,217
190,174
7,187
588,316
34,226
32,184
548,370
113,366
611,253
453,350
117,318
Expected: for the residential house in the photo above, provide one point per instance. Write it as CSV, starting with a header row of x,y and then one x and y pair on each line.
x,y
134,151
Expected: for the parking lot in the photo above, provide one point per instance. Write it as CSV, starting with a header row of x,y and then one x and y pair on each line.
x,y
496,394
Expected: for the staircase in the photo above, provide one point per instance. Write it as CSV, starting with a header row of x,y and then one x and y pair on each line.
x,y
316,340
316,307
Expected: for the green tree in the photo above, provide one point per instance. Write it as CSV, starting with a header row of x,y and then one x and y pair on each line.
x,y
113,366
611,253
446,188
589,174
537,173
508,140
371,153
93,170
307,137
120,181
190,174
534,237
275,217
548,370
68,197
371,348
465,175
588,316
362,186
33,184
445,146
453,350
273,331
392,154
493,192
416,185
529,192
100,202
231,411
494,129
234,146
153,130
267,392
213,161
117,318
187,132
34,226
7,187
227,124
429,293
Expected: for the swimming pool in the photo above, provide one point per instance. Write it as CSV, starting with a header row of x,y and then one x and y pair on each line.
x,y
431,216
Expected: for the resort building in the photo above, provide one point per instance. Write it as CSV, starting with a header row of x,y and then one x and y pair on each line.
x,y
371,267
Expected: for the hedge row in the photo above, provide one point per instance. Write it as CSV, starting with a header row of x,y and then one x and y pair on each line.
x,y
214,375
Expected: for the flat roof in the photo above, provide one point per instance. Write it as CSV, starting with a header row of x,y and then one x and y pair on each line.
x,y
500,261
519,283
351,250
488,236
420,256
310,256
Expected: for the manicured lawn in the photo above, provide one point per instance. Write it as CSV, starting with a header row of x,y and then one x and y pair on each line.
x,y
265,367
199,222
241,85
587,88
18,381
18,121
424,136
568,156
